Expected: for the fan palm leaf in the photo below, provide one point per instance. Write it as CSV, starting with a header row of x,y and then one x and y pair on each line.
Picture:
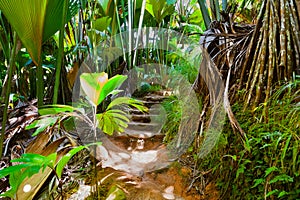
x,y
35,21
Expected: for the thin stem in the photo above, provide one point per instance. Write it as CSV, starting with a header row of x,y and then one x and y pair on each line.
x,y
95,148
119,26
40,82
130,17
139,30
60,52
10,72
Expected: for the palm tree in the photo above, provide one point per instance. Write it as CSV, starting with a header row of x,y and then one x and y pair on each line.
x,y
258,57
273,54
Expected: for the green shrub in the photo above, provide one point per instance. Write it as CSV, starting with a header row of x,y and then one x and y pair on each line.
x,y
271,169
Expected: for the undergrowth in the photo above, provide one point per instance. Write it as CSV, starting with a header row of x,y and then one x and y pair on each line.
x,y
271,168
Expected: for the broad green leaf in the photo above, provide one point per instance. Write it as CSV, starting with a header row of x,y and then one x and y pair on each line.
x,y
149,8
102,23
159,9
32,160
92,84
35,20
111,85
51,159
54,16
105,4
196,17
30,157
117,111
41,124
55,109
65,159
6,171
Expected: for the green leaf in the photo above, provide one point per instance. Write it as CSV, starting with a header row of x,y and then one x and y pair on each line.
x,y
65,159
282,193
127,101
51,159
31,160
281,177
240,170
30,157
6,171
272,192
283,152
115,193
55,109
111,85
9,193
101,24
35,21
195,17
258,182
169,2
105,4
119,123
41,124
270,170
118,114
111,121
159,9
92,85
108,126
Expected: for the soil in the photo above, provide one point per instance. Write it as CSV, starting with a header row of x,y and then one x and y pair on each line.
x,y
154,185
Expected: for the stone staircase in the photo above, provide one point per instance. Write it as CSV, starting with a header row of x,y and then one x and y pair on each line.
x,y
140,147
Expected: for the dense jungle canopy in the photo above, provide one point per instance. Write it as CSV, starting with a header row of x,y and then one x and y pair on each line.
x,y
211,87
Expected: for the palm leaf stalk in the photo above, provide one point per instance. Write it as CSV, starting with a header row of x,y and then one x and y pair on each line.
x,y
139,30
214,6
10,72
60,52
6,44
205,13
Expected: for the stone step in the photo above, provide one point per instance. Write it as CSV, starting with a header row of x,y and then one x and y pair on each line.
x,y
140,126
142,133
143,124
135,111
145,118
154,98
149,103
